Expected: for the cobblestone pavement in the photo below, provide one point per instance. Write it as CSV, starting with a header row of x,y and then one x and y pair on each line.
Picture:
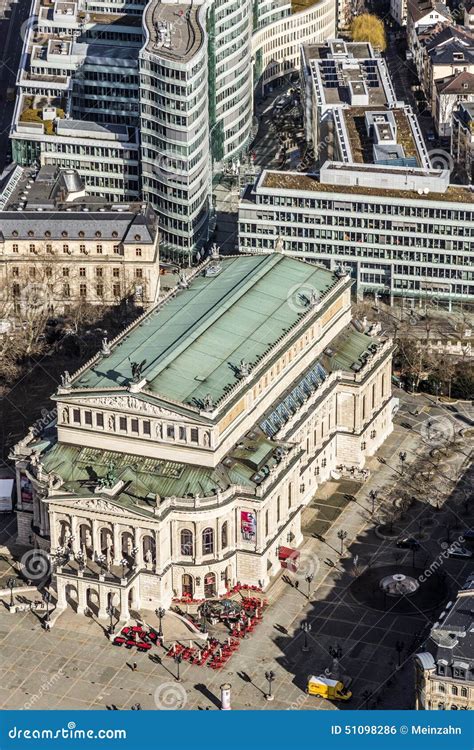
x,y
74,665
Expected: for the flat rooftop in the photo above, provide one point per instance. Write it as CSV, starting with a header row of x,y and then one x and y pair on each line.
x,y
192,346
174,30
340,79
294,181
324,51
362,144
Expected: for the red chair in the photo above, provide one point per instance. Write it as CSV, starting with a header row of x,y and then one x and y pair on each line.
x,y
142,646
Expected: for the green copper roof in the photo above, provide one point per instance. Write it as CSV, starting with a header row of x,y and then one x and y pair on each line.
x,y
81,468
192,345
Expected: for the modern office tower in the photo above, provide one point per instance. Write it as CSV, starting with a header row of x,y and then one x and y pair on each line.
x,y
175,122
151,100
77,94
184,455
196,109
376,205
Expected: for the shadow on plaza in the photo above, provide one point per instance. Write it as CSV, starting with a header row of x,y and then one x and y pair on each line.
x,y
358,632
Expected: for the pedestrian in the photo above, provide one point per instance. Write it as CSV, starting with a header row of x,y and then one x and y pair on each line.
x,y
297,584
134,666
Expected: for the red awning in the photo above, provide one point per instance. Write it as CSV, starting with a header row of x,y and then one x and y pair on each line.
x,y
285,552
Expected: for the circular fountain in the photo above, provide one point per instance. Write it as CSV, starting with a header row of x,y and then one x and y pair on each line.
x,y
399,584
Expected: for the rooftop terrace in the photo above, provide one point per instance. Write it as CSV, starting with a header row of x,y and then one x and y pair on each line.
x,y
174,30
294,181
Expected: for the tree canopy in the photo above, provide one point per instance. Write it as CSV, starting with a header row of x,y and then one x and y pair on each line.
x,y
369,28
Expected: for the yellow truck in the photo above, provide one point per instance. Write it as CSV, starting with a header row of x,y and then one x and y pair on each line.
x,y
325,687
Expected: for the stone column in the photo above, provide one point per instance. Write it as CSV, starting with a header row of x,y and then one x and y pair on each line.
x,y
42,519
76,545
19,505
117,544
53,532
158,564
61,587
36,509
137,542
81,596
102,601
124,612
95,537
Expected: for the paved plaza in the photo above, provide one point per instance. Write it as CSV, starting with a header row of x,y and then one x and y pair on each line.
x,y
74,666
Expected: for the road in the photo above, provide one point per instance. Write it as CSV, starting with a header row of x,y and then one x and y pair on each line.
x,y
12,17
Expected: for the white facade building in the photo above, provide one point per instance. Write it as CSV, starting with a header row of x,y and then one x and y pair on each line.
x,y
398,11
279,34
377,204
182,457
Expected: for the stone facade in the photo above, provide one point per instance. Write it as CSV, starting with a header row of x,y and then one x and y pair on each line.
x,y
153,528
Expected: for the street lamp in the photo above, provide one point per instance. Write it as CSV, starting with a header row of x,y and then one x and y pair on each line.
x,y
373,494
309,580
110,612
269,676
305,627
335,651
47,599
11,586
342,535
160,613
102,559
178,659
399,646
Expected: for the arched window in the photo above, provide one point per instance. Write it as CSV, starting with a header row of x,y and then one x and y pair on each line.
x,y
207,541
186,543
224,535
463,692
454,690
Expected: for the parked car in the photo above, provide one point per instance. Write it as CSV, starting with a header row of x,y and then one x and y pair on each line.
x,y
468,535
430,136
457,551
408,543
